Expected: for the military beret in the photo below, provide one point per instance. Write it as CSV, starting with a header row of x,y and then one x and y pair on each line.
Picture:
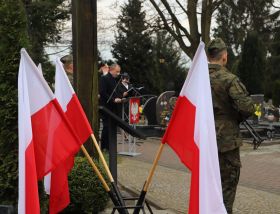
x,y
216,43
66,59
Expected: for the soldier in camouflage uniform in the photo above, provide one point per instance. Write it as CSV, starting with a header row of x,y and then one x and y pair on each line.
x,y
232,104
67,62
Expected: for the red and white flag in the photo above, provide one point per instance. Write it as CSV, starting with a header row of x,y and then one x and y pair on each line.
x,y
56,183
45,136
191,134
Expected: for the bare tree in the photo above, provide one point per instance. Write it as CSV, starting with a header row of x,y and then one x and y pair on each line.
x,y
198,14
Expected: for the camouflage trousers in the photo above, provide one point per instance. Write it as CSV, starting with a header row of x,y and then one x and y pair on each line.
x,y
230,170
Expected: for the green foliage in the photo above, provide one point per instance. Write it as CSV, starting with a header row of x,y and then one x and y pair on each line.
x,y
276,93
252,64
236,18
167,57
87,193
273,68
45,22
13,36
133,46
153,62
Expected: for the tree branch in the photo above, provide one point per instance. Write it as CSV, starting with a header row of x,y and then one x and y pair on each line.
x,y
273,5
179,39
216,4
193,24
175,20
181,6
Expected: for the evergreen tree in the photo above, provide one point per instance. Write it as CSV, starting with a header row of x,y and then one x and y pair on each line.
x,y
45,22
252,63
133,46
167,62
236,18
13,36
272,73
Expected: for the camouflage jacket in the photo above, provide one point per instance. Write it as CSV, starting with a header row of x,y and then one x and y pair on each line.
x,y
232,104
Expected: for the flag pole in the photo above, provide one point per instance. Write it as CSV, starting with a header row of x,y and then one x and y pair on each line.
x,y
102,158
101,178
108,172
147,183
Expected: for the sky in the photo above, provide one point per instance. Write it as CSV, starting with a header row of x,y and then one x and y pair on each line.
x,y
107,13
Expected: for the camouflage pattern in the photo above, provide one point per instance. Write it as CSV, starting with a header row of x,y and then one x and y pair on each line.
x,y
217,43
232,104
230,170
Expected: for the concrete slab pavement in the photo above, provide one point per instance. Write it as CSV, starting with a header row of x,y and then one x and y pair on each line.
x,y
258,191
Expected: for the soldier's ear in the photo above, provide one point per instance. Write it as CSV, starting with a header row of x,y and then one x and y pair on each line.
x,y
224,58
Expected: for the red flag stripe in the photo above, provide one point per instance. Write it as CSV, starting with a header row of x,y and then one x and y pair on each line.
x,y
78,119
59,192
180,137
191,134
50,129
32,204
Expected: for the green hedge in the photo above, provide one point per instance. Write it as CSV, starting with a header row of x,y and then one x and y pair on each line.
x,y
13,36
86,191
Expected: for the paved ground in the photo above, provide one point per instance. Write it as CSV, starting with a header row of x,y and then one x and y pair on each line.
x,y
258,192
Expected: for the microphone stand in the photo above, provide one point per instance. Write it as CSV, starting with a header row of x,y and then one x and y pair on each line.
x,y
114,91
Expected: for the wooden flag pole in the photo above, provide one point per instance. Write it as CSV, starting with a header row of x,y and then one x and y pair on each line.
x,y
108,172
105,185
147,183
102,158
95,169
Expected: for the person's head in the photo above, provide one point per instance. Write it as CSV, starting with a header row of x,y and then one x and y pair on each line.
x,y
67,62
217,51
103,68
125,77
115,69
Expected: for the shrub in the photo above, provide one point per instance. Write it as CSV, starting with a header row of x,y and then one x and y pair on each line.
x,y
87,192
13,31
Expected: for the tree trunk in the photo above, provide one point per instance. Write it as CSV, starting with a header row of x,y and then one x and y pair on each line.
x,y
206,20
85,60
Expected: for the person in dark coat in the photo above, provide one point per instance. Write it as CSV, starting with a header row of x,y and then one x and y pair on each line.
x,y
124,89
109,98
124,86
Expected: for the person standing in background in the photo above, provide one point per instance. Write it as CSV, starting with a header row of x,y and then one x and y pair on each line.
x,y
109,98
67,62
125,85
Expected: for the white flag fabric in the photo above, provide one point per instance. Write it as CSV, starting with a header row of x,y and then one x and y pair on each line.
x,y
46,138
57,183
191,134
28,199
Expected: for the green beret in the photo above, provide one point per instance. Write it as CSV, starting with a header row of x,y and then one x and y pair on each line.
x,y
66,59
217,43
